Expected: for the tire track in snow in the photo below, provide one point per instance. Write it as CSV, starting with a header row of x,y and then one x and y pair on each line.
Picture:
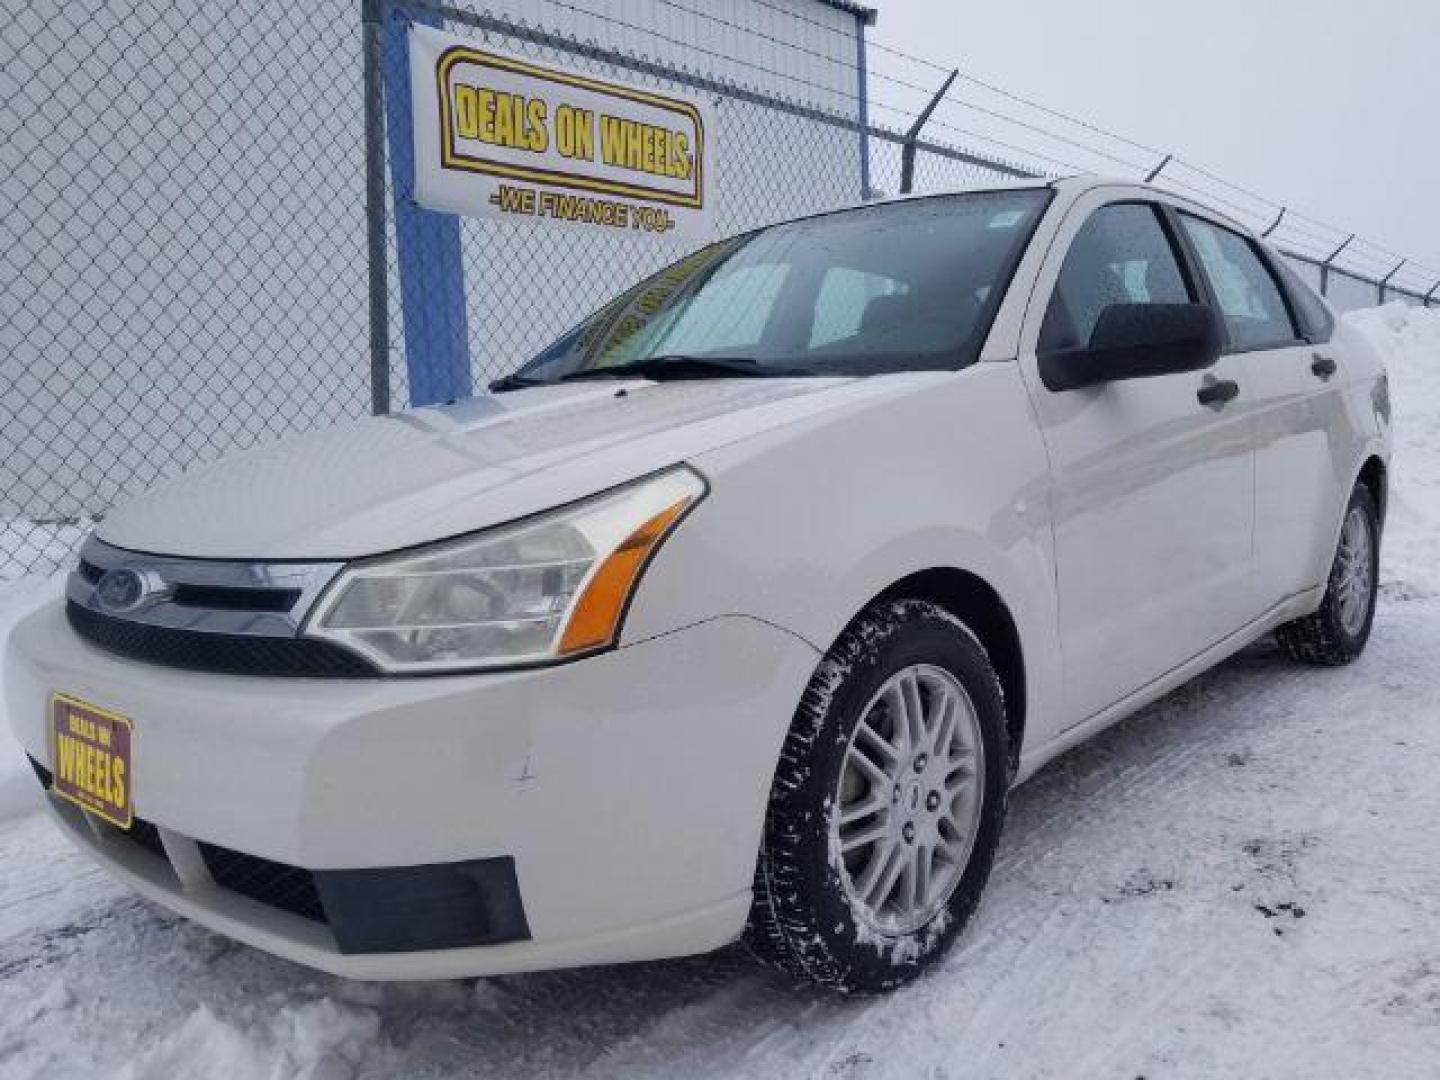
x,y
1053,937
1061,965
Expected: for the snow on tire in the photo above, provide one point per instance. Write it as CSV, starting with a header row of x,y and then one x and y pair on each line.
x,y
887,803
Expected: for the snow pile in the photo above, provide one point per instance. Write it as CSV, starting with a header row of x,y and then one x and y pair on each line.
x,y
1410,339
317,1039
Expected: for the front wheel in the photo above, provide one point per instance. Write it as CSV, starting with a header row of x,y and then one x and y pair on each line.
x,y
887,804
1336,634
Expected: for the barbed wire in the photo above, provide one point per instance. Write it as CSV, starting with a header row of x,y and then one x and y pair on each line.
x,y
1243,213
975,80
953,103
1292,218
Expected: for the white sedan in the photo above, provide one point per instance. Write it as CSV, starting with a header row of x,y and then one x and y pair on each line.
x,y
736,612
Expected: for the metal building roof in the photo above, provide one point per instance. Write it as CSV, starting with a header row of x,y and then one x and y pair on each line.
x,y
860,11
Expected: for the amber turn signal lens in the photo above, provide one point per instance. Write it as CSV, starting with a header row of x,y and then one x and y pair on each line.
x,y
596,617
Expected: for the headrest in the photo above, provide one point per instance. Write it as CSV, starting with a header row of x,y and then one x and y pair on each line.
x,y
892,310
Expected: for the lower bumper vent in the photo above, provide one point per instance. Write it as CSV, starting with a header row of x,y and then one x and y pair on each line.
x,y
381,910
288,888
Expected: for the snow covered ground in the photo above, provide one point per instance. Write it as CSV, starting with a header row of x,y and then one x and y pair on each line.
x,y
1242,881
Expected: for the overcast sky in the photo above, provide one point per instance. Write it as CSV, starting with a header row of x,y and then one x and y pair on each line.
x,y
1328,105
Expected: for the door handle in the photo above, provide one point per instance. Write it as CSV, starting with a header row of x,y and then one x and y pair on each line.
x,y
1216,392
1322,366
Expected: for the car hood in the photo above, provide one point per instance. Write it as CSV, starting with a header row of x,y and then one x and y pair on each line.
x,y
396,481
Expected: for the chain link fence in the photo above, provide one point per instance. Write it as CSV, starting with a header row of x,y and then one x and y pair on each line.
x,y
183,266
187,256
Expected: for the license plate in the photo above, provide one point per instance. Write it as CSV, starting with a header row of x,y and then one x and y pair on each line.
x,y
91,759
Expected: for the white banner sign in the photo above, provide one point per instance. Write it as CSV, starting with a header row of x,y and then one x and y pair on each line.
x,y
498,136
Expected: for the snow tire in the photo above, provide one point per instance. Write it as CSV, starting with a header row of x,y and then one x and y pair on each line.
x,y
1322,638
801,920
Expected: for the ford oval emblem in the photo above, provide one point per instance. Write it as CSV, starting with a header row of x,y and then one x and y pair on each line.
x,y
125,590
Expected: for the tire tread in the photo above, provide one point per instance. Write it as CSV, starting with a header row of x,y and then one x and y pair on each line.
x,y
779,932
1318,638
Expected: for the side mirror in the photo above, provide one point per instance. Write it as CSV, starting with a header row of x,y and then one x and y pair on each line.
x,y
1135,341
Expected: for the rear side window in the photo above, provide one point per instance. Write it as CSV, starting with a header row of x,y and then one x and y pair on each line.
x,y
1316,322
1121,255
1249,296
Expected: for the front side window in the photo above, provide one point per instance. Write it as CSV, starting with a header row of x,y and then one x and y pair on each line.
x,y
1249,297
902,286
1121,255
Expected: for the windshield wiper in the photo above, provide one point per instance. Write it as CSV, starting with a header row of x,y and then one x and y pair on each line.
x,y
515,381
677,366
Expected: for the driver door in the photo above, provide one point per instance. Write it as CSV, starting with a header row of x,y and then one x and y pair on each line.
x,y
1152,490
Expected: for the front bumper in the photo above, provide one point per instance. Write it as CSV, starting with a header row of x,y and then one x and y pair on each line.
x,y
629,789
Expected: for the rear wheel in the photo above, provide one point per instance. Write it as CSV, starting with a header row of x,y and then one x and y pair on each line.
x,y
887,803
1338,631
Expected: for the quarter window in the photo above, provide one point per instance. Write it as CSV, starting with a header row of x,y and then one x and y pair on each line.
x,y
1316,322
1121,255
1249,297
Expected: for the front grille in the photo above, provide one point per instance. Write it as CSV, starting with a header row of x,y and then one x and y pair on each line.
x,y
213,597
229,598
288,888
231,654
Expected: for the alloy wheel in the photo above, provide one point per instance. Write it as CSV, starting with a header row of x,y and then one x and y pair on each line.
x,y
1355,566
909,799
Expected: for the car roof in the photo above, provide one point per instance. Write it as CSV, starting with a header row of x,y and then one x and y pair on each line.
x,y
1074,186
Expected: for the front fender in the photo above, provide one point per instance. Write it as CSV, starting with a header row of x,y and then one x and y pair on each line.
x,y
804,525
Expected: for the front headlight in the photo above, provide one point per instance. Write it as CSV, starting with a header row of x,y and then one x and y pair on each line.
x,y
552,586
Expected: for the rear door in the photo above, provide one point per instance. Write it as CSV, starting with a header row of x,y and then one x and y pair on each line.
x,y
1293,377
1152,491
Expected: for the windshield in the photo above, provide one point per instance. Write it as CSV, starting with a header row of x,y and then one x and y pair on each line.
x,y
895,287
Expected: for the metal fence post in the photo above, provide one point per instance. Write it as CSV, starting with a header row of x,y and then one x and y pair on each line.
x,y
1325,266
862,113
907,154
372,15
428,261
1380,286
